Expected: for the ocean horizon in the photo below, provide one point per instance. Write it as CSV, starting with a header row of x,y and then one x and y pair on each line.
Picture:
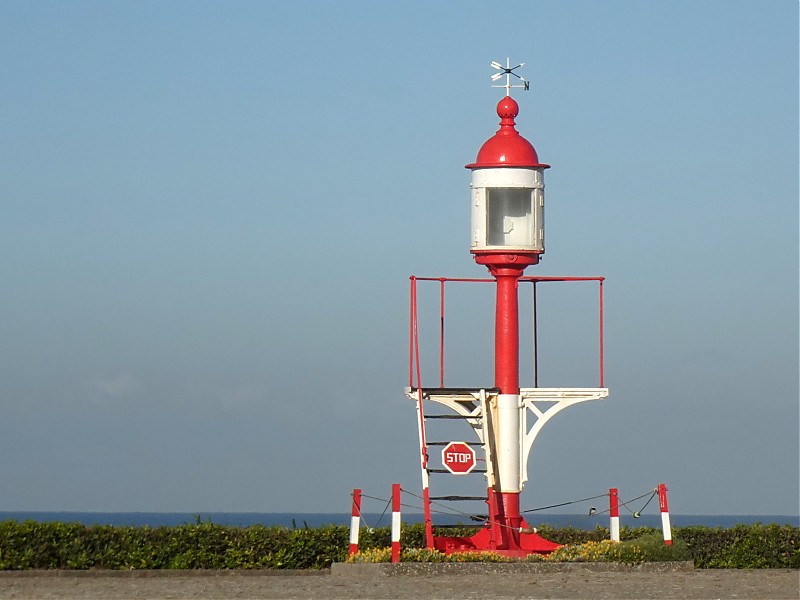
x,y
298,520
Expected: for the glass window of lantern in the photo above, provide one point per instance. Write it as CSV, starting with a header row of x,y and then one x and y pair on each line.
x,y
509,217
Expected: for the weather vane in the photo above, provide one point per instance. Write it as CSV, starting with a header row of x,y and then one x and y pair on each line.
x,y
508,71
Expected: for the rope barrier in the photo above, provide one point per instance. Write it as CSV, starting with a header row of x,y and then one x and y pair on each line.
x,y
625,504
453,511
565,503
385,508
450,511
374,498
388,502
457,512
638,513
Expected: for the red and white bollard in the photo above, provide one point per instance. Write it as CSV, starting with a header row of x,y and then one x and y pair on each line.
x,y
662,502
613,501
395,522
355,521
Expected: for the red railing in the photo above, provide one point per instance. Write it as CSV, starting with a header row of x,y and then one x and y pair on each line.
x,y
414,365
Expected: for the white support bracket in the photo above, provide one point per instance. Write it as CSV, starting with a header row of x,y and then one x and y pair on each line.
x,y
545,403
468,404
475,406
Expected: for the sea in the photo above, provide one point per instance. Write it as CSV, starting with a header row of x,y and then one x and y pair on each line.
x,y
302,520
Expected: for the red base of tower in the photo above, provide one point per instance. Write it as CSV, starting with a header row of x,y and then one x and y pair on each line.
x,y
523,544
505,533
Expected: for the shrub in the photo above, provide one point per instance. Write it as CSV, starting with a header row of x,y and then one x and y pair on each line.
x,y
371,555
653,548
743,547
483,556
33,545
572,535
384,555
604,551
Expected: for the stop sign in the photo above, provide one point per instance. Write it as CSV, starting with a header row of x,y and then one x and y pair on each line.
x,y
458,458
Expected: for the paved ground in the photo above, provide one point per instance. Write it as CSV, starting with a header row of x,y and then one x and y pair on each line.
x,y
766,583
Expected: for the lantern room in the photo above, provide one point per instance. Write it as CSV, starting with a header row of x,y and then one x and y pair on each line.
x,y
507,191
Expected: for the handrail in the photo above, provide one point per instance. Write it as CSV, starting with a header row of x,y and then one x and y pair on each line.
x,y
415,367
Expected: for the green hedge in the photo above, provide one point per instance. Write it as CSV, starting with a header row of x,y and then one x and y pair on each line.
x,y
34,545
744,546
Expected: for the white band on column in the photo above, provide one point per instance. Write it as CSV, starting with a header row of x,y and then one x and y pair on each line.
x,y
509,441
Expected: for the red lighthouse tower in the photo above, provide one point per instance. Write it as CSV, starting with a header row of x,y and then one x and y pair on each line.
x,y
507,205
507,237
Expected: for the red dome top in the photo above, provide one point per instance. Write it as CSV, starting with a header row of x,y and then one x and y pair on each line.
x,y
507,148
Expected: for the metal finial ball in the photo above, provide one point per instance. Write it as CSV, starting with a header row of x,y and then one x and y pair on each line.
x,y
507,108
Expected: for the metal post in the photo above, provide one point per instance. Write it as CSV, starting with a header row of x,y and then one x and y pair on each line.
x,y
662,502
613,501
355,521
395,522
535,338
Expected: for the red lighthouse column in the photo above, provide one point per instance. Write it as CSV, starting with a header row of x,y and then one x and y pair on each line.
x,y
506,335
504,503
507,237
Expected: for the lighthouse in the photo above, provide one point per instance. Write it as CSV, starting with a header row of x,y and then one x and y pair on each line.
x,y
507,237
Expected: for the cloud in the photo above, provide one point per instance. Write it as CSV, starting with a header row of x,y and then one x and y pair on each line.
x,y
114,387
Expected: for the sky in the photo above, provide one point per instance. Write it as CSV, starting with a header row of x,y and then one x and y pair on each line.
x,y
209,212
